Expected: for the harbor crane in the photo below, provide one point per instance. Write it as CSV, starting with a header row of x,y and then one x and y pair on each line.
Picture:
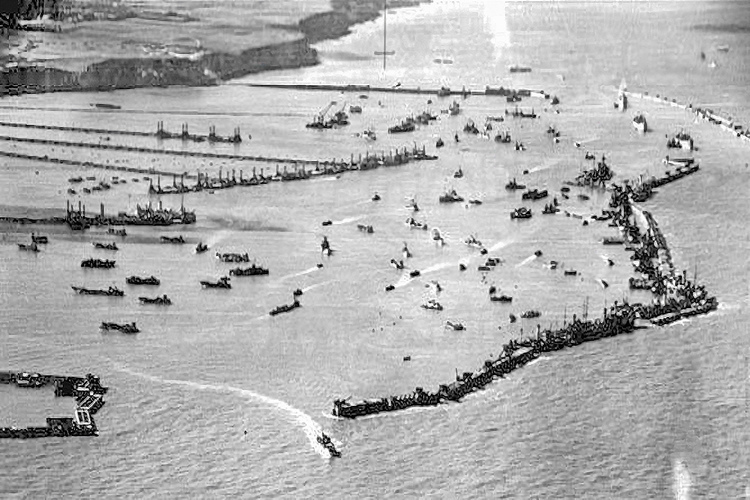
x,y
319,120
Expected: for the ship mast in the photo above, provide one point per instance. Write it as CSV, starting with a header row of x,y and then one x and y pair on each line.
x,y
385,52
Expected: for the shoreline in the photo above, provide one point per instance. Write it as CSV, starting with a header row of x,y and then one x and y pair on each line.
x,y
212,68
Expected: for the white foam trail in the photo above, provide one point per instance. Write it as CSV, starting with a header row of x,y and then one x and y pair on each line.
x,y
604,258
217,238
526,261
300,418
682,482
499,245
349,219
538,360
316,285
438,267
301,273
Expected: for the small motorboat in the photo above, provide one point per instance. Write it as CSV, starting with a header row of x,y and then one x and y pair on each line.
x,y
472,241
285,308
462,267
160,301
28,248
455,325
297,292
501,298
376,197
117,232
531,314
39,240
201,247
450,196
136,280
439,143
415,273
233,257
389,288
222,282
413,223
475,201
571,272
173,239
327,223
106,246
326,443
432,304
512,318
521,213
253,270
365,228
538,253
397,264
458,174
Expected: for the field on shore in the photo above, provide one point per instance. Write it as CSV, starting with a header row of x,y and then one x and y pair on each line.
x,y
220,26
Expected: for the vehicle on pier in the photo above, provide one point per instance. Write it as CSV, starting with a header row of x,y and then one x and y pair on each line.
x,y
455,325
450,196
639,123
117,232
111,291
28,248
124,328
253,270
222,282
404,126
172,239
326,443
233,257
136,280
285,308
521,213
201,247
98,263
432,304
106,246
531,314
160,301
513,185
534,194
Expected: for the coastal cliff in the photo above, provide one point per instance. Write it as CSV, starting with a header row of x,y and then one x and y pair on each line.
x,y
211,68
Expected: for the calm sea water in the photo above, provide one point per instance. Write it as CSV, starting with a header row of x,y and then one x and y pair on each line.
x,y
662,413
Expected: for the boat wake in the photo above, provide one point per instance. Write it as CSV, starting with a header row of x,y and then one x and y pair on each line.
x,y
301,273
526,261
316,285
682,482
311,428
499,245
348,220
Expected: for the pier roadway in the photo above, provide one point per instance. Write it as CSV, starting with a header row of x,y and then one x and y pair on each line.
x,y
133,149
77,129
89,164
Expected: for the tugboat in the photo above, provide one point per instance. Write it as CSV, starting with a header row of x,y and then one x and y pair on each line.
x,y
458,173
111,291
365,228
439,143
327,223
503,138
285,308
450,197
531,314
550,208
571,272
233,257
106,246
177,239
639,123
521,213
297,292
513,185
326,443
534,194
414,273
129,328
404,126
161,301
117,232
136,280
201,247
222,282
432,304
98,263
253,270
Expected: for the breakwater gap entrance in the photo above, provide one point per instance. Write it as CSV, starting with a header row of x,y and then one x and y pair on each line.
x,y
87,391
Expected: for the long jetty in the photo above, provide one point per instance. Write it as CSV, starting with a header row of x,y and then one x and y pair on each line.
x,y
443,91
135,149
87,391
160,132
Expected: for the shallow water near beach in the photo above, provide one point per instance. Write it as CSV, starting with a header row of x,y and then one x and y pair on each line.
x,y
661,413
